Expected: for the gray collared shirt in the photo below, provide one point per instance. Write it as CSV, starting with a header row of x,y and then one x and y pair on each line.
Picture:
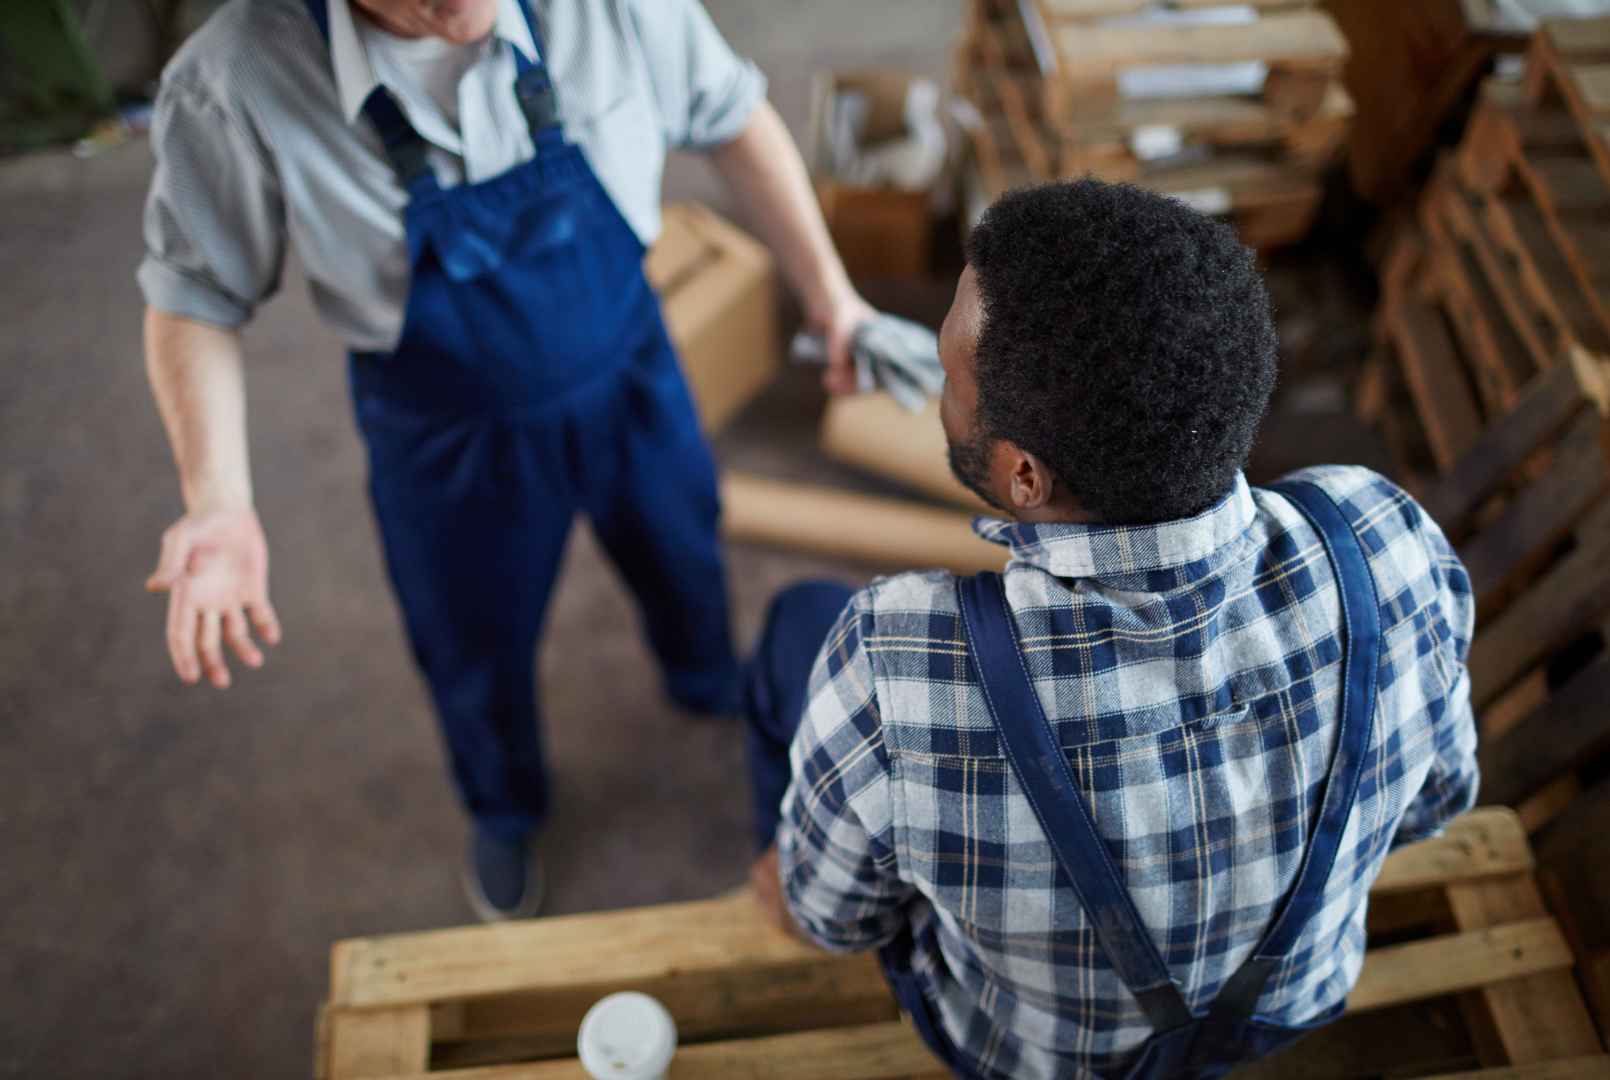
x,y
260,142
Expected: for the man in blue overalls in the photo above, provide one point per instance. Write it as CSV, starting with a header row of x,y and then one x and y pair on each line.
x,y
470,185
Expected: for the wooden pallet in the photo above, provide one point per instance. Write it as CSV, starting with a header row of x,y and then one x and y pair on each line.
x,y
1465,939
1528,508
1045,83
1494,282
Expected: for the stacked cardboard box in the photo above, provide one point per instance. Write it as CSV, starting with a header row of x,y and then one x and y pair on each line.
x,y
718,290
1067,88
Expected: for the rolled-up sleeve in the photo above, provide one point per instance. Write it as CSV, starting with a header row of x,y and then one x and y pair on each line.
x,y
706,91
214,217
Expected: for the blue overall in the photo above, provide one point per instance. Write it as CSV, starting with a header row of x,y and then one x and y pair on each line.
x,y
1184,1043
533,379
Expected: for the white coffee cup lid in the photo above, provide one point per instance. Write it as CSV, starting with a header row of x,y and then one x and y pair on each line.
x,y
627,1036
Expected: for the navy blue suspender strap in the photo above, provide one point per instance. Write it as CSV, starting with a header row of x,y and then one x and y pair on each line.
x,y
1041,767
406,148
1361,673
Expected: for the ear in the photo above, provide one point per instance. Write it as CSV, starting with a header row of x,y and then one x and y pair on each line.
x,y
1030,483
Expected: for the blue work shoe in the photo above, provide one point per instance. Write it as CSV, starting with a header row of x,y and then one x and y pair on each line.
x,y
503,878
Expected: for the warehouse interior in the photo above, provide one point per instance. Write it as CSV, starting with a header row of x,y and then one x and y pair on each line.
x,y
180,860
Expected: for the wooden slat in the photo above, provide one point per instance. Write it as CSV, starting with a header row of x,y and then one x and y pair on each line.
x,y
1487,842
1536,1017
1452,963
871,1052
1252,183
1572,597
1580,1068
1431,368
727,1004
1498,286
828,521
562,953
1578,36
1542,410
1520,234
1573,183
1303,38
1543,512
1496,354
1583,244
369,1043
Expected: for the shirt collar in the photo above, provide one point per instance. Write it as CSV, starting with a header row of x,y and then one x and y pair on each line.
x,y
1076,551
355,77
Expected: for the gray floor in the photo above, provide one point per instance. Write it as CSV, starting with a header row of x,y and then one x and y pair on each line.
x,y
177,861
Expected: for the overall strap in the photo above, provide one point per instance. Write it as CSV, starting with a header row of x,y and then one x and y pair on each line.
x,y
533,86
405,147
1037,760
1361,664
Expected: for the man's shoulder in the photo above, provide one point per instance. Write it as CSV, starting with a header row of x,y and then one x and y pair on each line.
x,y
916,592
245,48
1368,499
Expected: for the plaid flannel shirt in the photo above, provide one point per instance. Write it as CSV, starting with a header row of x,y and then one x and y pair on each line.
x,y
1191,669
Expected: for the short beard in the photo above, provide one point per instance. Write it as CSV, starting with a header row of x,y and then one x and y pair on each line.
x,y
969,461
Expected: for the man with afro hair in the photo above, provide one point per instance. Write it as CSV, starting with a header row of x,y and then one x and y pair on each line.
x,y
1117,810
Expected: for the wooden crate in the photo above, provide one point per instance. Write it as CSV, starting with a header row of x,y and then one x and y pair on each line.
x,y
1044,78
1494,282
1464,939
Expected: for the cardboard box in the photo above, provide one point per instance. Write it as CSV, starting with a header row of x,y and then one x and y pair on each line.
x,y
717,287
880,232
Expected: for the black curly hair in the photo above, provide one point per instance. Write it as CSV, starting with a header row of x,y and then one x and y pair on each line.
x,y
1127,341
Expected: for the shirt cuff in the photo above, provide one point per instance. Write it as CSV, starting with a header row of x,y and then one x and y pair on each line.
x,y
724,120
183,293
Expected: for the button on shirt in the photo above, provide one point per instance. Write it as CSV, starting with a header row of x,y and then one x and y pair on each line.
x,y
260,142
1191,672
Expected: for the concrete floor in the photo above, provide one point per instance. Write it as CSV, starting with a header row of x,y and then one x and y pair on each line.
x,y
177,861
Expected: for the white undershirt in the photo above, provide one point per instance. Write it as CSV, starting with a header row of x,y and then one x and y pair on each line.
x,y
427,67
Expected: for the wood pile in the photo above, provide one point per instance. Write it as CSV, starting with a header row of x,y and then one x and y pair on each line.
x,y
1491,382
1061,91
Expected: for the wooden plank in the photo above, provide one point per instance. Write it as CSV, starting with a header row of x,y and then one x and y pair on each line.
x,y
705,1006
1514,705
826,521
874,433
1537,1017
1579,1068
1521,236
367,1043
1543,512
1483,843
1431,368
1409,1040
1577,36
1452,963
561,953
1498,289
1496,354
1573,183
1302,38
1542,410
871,1052
1252,183
1573,596
1553,739
1551,800
1089,9
1581,241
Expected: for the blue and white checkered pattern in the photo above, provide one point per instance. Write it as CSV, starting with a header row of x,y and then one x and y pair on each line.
x,y
1192,672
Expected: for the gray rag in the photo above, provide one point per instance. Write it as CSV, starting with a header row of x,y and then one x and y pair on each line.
x,y
890,353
